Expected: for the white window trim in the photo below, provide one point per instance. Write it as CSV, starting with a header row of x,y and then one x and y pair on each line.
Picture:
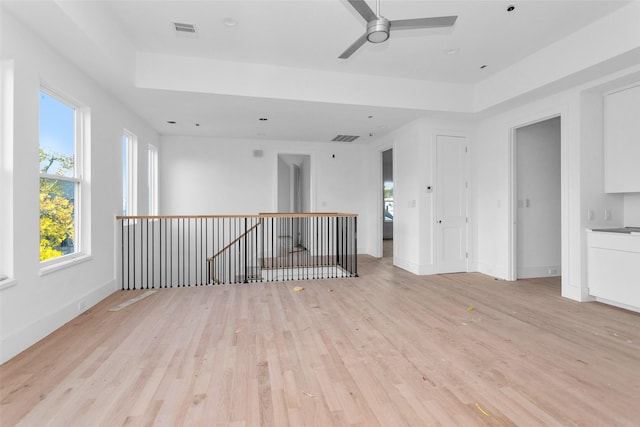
x,y
81,114
6,173
132,172
55,264
152,179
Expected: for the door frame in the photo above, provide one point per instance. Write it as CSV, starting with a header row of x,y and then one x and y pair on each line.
x,y
512,202
380,198
437,239
312,178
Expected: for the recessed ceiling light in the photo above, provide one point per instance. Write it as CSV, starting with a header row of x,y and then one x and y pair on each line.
x,y
197,124
511,8
263,119
229,22
371,117
482,67
171,122
452,51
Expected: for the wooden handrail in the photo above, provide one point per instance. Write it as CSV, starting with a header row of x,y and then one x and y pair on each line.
x,y
260,215
305,214
256,225
183,216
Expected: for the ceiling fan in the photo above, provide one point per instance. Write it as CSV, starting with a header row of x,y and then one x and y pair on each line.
x,y
378,27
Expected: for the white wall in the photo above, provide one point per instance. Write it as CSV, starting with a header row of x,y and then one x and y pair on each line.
x,y
36,304
208,176
414,156
582,179
538,199
632,210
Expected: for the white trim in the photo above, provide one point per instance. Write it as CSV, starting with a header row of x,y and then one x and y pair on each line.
x,y
21,339
512,250
60,263
130,142
6,171
436,240
379,246
312,176
80,113
7,283
152,179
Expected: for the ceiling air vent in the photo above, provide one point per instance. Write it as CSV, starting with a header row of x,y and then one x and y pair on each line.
x,y
184,28
345,138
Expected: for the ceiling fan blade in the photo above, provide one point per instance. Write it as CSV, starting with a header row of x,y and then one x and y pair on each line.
x,y
363,9
354,46
411,24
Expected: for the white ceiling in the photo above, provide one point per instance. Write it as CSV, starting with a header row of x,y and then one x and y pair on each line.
x,y
103,37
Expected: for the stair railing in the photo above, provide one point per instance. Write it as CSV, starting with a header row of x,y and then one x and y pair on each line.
x,y
177,251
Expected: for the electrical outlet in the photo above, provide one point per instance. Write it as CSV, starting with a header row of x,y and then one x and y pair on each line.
x,y
607,214
590,215
82,306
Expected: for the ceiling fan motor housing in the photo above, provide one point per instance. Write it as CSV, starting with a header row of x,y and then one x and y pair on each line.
x,y
378,30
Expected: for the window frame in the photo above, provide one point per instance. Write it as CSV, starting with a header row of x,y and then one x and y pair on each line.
x,y
6,173
152,179
130,173
81,139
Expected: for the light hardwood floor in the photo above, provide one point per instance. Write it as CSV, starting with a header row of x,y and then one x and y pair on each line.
x,y
387,348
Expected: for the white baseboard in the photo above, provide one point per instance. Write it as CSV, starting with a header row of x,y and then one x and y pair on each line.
x,y
619,304
406,265
12,345
529,272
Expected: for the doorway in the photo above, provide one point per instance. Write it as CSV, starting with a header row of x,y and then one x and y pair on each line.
x,y
294,183
293,196
387,203
537,199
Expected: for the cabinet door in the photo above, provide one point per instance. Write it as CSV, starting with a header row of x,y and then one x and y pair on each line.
x,y
622,141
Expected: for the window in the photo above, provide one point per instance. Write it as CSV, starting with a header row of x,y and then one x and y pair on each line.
x,y
129,173
60,176
388,201
6,171
152,179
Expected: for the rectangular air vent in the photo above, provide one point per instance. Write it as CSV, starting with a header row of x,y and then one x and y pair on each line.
x,y
345,138
184,28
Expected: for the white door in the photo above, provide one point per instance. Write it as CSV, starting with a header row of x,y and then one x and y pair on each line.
x,y
451,204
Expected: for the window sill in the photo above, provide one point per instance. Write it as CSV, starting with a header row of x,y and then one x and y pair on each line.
x,y
7,283
62,264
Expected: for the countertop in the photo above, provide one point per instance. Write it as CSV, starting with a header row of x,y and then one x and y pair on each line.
x,y
623,230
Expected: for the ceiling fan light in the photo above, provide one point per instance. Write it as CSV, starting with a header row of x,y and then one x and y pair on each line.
x,y
377,36
378,30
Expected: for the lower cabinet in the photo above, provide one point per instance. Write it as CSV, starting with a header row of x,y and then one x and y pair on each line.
x,y
614,268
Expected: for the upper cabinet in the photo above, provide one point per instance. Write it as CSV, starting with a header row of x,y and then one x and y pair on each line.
x,y
622,140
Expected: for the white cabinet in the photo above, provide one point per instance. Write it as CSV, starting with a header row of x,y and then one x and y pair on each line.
x,y
614,268
622,141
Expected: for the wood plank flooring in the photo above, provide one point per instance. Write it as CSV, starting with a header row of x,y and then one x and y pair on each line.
x,y
385,349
